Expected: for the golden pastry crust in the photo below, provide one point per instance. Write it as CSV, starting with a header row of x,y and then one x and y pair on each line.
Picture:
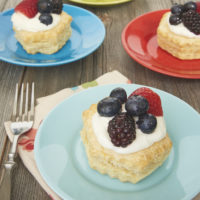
x,y
179,46
129,167
46,42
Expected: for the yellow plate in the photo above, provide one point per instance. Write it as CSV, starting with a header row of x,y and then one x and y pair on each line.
x,y
100,2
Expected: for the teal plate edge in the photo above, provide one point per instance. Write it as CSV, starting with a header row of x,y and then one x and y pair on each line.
x,y
107,88
12,52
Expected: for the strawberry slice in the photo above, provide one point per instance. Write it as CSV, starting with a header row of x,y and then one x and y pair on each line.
x,y
198,6
28,8
155,107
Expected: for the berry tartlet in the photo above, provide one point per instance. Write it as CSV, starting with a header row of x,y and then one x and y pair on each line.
x,y
124,137
179,31
41,26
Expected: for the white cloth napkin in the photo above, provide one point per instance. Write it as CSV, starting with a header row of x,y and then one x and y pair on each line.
x,y
44,105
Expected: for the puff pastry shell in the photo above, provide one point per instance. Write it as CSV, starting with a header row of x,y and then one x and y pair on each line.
x,y
179,46
126,167
46,42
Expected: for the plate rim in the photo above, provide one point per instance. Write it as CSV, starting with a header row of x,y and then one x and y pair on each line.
x,y
116,2
153,68
51,64
39,132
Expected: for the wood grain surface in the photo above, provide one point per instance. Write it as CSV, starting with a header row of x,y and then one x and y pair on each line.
x,y
110,56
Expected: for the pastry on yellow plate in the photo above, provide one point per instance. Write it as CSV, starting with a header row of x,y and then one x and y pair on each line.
x,y
179,31
41,26
126,138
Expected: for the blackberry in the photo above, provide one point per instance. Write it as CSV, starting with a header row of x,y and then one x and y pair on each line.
x,y
121,130
57,6
191,21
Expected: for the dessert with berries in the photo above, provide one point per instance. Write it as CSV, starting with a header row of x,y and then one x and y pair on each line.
x,y
41,26
126,138
179,31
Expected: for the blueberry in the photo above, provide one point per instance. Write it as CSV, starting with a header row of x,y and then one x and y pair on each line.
x,y
120,94
136,105
147,123
175,19
109,107
45,6
190,6
177,9
46,18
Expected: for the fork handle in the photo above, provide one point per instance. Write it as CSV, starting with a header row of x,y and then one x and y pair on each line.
x,y
5,185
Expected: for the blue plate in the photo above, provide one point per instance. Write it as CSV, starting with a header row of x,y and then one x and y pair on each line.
x,y
62,161
88,33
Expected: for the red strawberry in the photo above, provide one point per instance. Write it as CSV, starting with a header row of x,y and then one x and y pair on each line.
x,y
28,8
155,107
198,6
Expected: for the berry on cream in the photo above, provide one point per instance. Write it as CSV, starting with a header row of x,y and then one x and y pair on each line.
x,y
132,128
21,22
141,141
37,15
185,19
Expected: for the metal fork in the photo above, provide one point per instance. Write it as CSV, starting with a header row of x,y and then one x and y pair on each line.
x,y
21,122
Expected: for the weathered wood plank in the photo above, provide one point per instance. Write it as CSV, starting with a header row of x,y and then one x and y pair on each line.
x,y
9,76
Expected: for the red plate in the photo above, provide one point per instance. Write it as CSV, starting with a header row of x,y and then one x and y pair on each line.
x,y
140,42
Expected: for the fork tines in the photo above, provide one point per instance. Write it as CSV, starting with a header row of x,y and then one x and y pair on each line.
x,y
21,111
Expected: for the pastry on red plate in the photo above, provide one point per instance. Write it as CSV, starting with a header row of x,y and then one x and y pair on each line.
x,y
179,31
126,138
41,25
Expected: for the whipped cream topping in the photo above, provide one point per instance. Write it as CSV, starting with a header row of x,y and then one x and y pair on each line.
x,y
142,141
180,29
21,22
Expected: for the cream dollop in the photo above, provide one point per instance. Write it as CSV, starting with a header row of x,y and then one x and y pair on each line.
x,y
180,29
142,141
21,22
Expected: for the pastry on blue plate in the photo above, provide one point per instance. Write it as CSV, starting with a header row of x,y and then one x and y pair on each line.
x,y
126,138
41,26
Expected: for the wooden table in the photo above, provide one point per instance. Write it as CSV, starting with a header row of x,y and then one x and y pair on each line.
x,y
110,56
